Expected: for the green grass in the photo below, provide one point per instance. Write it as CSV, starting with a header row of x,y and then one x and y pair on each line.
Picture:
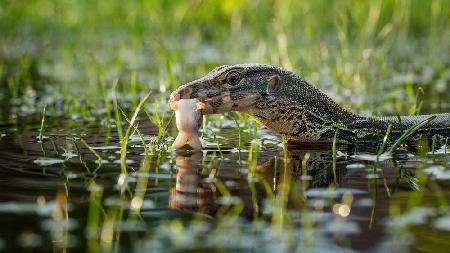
x,y
118,118
99,158
101,60
158,119
334,154
383,144
41,130
131,126
408,133
345,48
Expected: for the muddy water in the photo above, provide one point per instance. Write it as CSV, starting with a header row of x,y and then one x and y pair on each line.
x,y
58,196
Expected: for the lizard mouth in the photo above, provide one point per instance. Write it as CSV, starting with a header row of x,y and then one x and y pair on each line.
x,y
208,96
214,98
217,103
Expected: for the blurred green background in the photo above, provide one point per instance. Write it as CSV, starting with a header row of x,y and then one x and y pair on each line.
x,y
371,56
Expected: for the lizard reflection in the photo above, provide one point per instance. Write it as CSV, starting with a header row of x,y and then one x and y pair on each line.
x,y
193,192
189,192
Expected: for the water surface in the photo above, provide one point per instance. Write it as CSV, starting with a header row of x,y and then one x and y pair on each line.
x,y
265,196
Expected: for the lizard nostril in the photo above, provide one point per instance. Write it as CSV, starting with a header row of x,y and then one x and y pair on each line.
x,y
186,92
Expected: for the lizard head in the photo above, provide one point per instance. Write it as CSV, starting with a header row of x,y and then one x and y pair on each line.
x,y
277,98
233,87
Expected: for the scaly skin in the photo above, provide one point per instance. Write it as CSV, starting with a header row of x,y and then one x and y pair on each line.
x,y
283,102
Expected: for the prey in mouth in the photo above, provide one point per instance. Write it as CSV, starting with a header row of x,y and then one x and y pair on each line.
x,y
259,90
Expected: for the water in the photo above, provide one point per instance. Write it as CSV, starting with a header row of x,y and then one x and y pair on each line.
x,y
58,196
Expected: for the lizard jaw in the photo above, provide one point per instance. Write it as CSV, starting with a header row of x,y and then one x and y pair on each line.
x,y
214,100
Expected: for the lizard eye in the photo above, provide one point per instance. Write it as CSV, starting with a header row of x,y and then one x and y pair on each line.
x,y
233,77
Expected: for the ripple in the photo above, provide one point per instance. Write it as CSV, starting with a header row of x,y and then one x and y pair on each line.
x,y
47,161
439,172
443,223
326,192
371,157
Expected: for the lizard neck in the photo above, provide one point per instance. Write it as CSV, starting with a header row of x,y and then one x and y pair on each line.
x,y
302,112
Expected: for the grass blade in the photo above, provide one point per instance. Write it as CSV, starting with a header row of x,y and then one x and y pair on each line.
x,y
383,145
41,130
123,148
334,155
409,132
116,109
